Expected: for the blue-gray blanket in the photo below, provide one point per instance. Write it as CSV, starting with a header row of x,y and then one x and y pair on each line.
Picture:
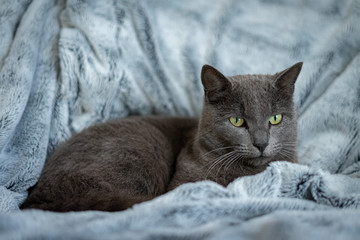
x,y
66,65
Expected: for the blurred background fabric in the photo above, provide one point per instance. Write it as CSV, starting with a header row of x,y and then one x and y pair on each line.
x,y
67,65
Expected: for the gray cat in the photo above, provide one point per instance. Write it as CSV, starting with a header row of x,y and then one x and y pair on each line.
x,y
247,122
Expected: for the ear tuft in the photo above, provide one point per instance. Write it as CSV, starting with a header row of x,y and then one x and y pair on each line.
x,y
214,82
286,79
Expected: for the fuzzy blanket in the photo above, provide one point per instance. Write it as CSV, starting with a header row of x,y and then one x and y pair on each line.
x,y
66,65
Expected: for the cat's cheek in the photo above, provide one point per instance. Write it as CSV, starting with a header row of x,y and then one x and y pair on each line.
x,y
286,131
272,149
277,135
242,137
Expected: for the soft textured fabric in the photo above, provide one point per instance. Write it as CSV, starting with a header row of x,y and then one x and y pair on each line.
x,y
66,65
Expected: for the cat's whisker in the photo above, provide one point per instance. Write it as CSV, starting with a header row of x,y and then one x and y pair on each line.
x,y
217,149
217,172
228,155
220,158
285,155
290,151
214,163
289,144
240,157
240,147
231,162
228,160
218,161
286,150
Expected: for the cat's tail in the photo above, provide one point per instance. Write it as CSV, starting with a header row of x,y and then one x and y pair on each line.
x,y
107,201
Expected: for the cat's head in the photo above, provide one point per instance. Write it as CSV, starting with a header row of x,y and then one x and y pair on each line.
x,y
253,116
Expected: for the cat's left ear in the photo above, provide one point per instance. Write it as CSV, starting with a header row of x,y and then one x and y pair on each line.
x,y
285,80
214,82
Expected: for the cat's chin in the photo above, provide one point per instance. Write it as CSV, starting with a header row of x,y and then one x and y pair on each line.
x,y
257,161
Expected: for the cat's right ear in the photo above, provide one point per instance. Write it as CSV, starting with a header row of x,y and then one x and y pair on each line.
x,y
285,80
214,82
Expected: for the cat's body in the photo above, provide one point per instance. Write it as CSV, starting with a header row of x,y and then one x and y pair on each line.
x,y
114,165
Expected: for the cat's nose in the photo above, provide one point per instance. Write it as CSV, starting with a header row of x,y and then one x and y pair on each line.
x,y
260,146
261,139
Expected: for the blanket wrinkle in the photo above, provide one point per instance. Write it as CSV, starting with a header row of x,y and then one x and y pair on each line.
x,y
67,64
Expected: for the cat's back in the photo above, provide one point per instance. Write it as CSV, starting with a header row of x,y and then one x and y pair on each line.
x,y
134,133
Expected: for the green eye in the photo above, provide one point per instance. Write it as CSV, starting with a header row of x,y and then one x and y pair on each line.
x,y
276,119
237,122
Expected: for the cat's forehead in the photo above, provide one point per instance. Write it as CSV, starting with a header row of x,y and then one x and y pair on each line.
x,y
253,93
253,86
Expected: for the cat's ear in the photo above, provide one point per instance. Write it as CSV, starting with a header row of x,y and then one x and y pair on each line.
x,y
285,80
214,82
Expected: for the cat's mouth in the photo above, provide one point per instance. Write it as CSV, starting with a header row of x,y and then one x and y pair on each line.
x,y
257,161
